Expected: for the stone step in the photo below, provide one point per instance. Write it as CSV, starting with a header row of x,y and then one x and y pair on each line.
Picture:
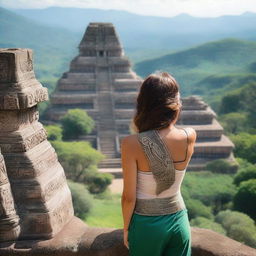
x,y
116,171
110,163
107,142
108,149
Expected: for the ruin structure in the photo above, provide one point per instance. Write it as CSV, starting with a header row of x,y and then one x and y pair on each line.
x,y
35,199
211,142
100,81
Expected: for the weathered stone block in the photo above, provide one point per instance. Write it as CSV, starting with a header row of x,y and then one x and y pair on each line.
x,y
19,88
38,184
9,220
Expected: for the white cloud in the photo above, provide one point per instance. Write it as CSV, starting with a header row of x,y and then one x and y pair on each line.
x,y
203,8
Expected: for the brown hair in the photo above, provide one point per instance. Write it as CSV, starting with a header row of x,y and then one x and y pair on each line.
x,y
158,102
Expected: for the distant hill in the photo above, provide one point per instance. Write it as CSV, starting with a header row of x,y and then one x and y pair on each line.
x,y
150,32
207,69
49,44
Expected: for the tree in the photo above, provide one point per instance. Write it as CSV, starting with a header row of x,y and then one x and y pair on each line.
x,y
77,158
221,166
76,122
80,161
248,96
245,198
82,199
230,103
245,173
234,122
54,132
245,146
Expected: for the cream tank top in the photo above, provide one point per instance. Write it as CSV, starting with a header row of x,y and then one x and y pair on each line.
x,y
146,185
158,191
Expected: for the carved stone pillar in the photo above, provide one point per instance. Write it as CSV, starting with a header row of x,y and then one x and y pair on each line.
x,y
9,221
38,182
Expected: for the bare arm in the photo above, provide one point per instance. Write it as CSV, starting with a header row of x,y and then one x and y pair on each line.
x,y
129,169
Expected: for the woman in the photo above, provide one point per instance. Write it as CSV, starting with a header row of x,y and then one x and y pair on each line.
x,y
154,162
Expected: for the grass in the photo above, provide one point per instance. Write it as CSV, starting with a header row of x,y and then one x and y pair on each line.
x,y
106,212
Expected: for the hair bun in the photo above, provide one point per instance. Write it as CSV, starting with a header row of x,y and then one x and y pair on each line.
x,y
175,103
174,106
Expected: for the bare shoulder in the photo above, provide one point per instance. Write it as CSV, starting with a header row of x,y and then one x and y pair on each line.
x,y
191,134
129,140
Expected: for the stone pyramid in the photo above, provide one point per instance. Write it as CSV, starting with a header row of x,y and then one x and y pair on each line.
x,y
100,81
211,142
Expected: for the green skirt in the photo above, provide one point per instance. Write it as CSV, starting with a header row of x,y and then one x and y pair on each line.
x,y
162,235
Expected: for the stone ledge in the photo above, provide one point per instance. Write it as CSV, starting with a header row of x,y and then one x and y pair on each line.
x,y
76,238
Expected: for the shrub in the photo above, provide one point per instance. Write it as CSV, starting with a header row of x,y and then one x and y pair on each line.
x,y
245,198
196,208
76,122
98,182
203,222
245,173
239,226
245,146
221,166
82,199
54,132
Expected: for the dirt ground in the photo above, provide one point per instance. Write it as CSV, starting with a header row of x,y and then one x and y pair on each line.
x,y
117,184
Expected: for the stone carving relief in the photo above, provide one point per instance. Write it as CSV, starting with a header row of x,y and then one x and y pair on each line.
x,y
31,161
26,63
3,174
4,69
9,221
11,101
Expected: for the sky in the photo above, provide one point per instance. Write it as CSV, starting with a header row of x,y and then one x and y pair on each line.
x,y
165,8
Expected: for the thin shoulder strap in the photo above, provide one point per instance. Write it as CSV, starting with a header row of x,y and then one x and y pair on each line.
x,y
186,147
160,163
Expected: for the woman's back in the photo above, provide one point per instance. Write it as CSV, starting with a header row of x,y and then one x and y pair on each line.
x,y
178,143
160,178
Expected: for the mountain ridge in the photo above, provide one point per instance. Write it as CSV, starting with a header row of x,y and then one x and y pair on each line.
x,y
210,68
154,32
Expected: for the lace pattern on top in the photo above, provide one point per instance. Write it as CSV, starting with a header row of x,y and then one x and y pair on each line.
x,y
159,159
